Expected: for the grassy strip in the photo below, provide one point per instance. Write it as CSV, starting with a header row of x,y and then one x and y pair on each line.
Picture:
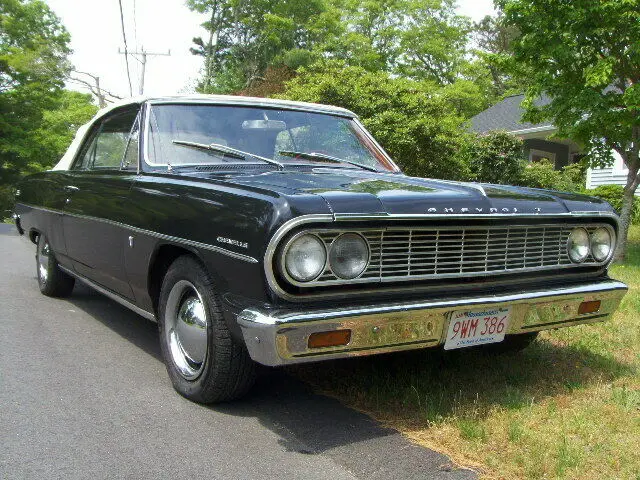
x,y
566,407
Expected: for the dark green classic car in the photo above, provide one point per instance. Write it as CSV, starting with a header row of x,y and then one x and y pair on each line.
x,y
275,232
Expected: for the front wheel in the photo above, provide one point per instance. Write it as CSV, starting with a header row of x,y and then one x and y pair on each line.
x,y
53,282
204,362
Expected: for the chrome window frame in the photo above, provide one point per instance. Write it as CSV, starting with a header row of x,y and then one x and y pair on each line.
x,y
320,110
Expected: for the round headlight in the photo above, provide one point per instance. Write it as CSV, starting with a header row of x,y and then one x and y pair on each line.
x,y
305,258
578,245
349,255
601,244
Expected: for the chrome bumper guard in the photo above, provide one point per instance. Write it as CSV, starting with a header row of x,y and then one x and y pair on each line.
x,y
280,337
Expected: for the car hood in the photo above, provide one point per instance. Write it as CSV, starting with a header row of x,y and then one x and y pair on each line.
x,y
348,191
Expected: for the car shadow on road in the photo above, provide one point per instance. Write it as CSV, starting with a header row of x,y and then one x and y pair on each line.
x,y
304,421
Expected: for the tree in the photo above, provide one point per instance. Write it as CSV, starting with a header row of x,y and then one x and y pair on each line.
x,y
245,38
585,55
37,118
33,65
494,39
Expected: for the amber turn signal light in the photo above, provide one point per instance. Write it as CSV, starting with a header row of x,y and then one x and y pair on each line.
x,y
589,307
329,339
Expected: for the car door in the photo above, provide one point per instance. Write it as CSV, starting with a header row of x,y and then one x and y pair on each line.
x,y
96,208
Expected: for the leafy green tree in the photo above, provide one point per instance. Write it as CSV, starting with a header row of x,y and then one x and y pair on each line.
x,y
493,49
33,65
37,118
433,44
245,38
421,132
585,55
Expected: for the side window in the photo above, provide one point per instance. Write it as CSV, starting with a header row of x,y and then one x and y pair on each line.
x,y
130,160
107,147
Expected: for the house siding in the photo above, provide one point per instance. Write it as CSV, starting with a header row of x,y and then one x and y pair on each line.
x,y
561,151
607,176
616,174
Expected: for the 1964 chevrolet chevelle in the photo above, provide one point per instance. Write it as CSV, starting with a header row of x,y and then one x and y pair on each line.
x,y
277,232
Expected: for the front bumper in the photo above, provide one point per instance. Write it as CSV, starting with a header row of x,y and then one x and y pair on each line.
x,y
280,337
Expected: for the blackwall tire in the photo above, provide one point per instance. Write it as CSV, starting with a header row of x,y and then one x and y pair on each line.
x,y
53,282
205,364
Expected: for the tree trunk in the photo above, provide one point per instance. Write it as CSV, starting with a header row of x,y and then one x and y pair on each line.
x,y
625,221
627,209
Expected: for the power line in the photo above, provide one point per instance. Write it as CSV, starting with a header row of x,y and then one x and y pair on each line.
x,y
126,54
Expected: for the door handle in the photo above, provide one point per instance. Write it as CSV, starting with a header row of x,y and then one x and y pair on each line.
x,y
71,188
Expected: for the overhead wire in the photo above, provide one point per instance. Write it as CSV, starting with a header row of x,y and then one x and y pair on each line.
x,y
126,50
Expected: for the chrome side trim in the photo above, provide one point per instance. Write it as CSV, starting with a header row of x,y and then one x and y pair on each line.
x,y
279,337
111,295
162,236
285,228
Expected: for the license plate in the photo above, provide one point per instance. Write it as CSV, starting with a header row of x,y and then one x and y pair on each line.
x,y
477,327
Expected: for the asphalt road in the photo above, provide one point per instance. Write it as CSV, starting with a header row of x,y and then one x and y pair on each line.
x,y
84,394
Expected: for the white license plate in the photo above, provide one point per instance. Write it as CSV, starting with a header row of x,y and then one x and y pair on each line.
x,y
477,327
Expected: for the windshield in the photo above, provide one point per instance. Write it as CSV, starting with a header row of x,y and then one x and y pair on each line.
x,y
284,136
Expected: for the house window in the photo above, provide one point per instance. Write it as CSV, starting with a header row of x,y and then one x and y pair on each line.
x,y
539,155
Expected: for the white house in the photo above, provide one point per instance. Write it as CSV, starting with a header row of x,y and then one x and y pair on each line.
x,y
507,114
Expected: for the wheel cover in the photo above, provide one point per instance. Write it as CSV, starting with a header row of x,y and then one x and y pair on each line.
x,y
43,261
186,329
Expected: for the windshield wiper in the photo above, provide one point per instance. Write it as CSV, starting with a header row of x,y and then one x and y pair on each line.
x,y
231,152
329,158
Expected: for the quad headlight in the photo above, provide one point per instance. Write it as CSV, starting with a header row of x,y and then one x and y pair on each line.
x,y
578,245
349,256
305,258
601,244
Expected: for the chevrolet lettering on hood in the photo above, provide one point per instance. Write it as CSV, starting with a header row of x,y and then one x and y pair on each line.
x,y
274,232
476,210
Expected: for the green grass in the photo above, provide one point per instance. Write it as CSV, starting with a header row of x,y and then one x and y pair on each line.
x,y
566,407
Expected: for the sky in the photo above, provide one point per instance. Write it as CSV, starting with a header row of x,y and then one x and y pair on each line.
x,y
156,26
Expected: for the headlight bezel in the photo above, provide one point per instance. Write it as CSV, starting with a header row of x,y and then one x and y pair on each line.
x,y
284,270
333,245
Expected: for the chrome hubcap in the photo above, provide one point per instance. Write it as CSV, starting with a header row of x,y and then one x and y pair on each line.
x,y
43,262
186,329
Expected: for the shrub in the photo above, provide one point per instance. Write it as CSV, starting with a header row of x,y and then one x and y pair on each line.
x,y
613,194
543,175
495,157
7,199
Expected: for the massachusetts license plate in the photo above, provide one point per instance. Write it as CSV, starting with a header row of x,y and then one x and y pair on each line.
x,y
477,327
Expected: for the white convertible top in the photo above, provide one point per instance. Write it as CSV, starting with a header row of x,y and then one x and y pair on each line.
x,y
67,159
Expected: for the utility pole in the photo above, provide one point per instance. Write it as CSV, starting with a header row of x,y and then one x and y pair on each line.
x,y
141,57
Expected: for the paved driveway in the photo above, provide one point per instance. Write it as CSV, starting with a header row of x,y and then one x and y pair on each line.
x,y
84,394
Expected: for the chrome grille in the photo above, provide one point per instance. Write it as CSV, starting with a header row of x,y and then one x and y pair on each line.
x,y
444,252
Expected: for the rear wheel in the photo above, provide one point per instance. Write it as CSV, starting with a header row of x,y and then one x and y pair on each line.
x,y
52,281
204,362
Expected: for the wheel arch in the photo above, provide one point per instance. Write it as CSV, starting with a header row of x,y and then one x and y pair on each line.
x,y
34,235
162,258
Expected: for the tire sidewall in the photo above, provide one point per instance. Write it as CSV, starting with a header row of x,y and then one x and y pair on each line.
x,y
45,286
193,274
